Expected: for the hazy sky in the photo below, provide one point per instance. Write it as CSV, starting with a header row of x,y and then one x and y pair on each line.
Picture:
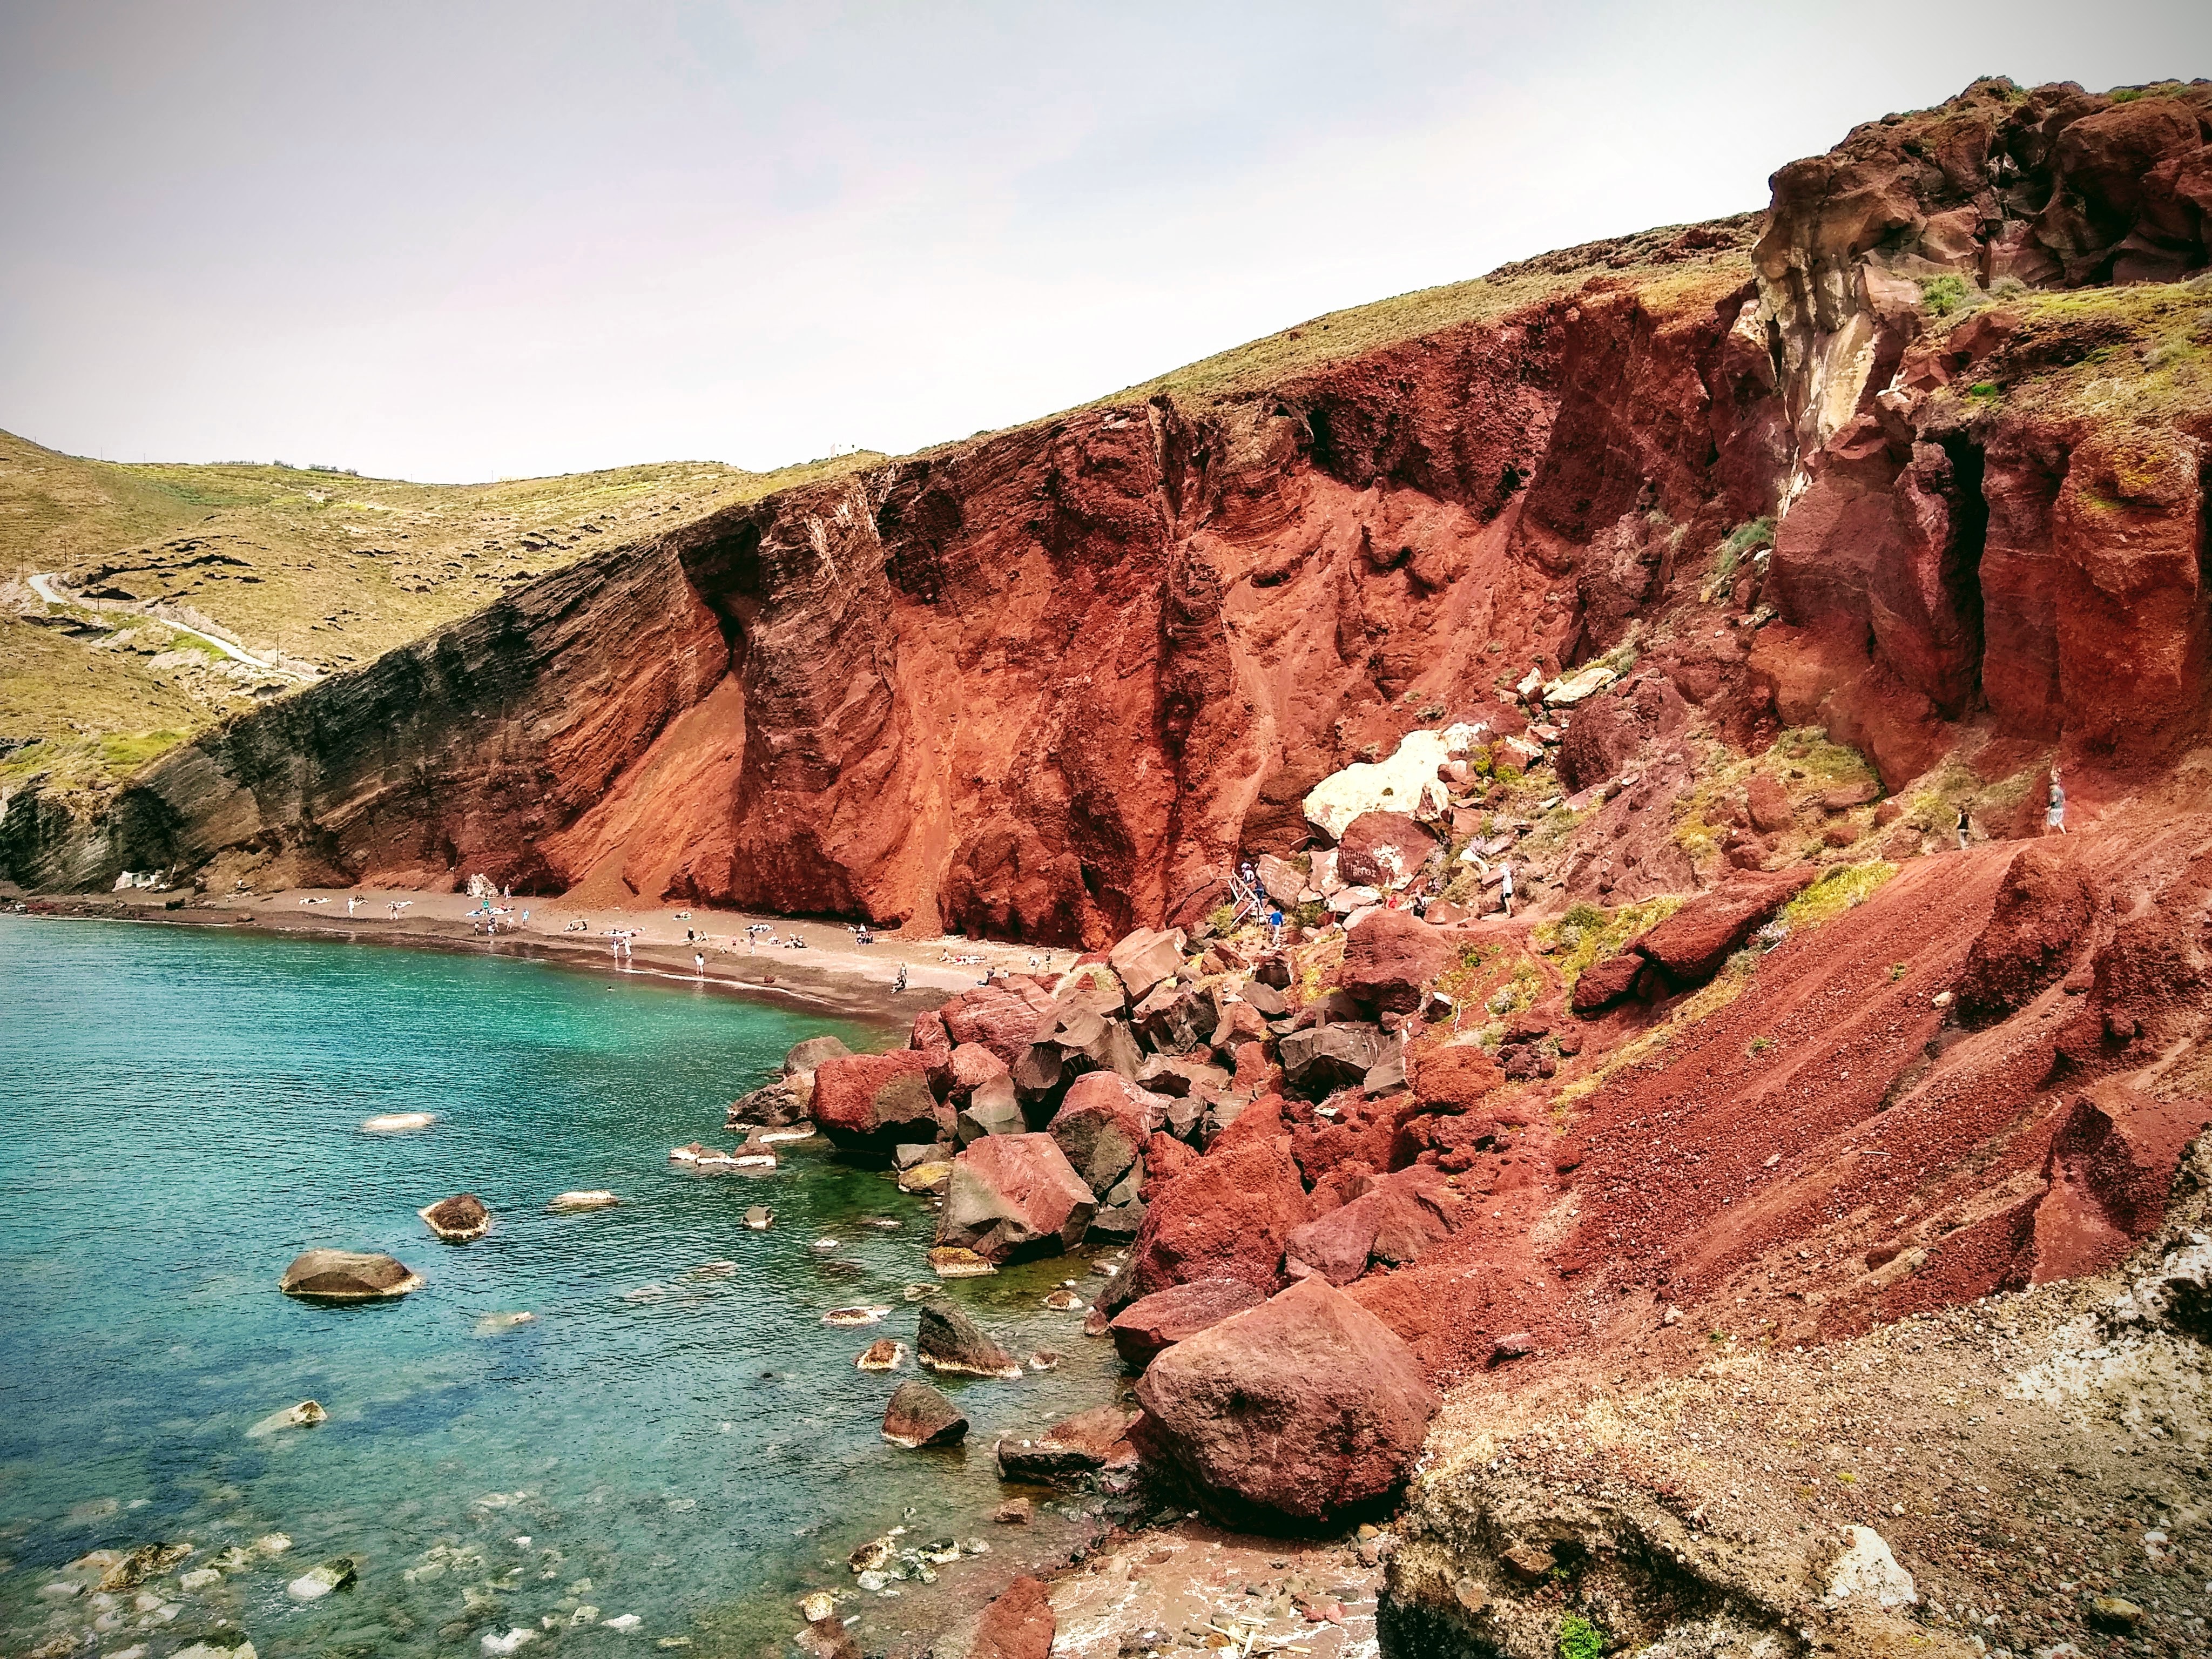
x,y
457,241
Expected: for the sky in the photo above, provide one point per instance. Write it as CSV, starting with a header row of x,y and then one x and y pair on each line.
x,y
458,241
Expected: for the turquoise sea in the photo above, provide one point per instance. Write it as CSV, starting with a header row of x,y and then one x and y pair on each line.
x,y
179,1114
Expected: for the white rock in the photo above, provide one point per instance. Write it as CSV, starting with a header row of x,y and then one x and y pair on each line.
x,y
1868,1573
1574,688
319,1581
199,1578
494,1643
625,1621
1406,782
273,1543
207,1648
816,1607
397,1123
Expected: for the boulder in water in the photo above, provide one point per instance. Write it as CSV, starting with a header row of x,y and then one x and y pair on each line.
x,y
459,1219
319,1581
760,1217
946,1340
497,1324
919,1415
951,1262
1014,1196
305,1415
869,1105
884,1355
773,1105
346,1276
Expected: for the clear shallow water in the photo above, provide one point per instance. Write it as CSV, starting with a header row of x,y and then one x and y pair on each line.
x,y
180,1116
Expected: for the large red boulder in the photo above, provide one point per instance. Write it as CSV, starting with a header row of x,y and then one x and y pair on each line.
x,y
1073,1446
1384,850
956,1073
1000,1016
1015,1196
1298,1412
1166,1317
1691,946
1102,1125
1389,957
867,1104
1225,1217
1606,981
1146,957
1767,804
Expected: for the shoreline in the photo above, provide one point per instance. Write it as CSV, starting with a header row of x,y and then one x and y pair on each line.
x,y
832,975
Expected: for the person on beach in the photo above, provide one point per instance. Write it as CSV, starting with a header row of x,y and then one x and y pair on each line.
x,y
698,965
2055,816
350,901
899,984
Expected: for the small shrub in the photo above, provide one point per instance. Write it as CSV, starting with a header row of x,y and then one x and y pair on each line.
x,y
1434,711
1222,919
1941,296
1761,1045
1579,1639
1896,972
1312,914
1744,964
1507,775
1584,915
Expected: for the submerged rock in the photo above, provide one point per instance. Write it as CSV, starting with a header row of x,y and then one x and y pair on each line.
x,y
760,1217
494,1324
459,1219
846,1318
397,1123
946,1340
346,1276
590,1198
919,1415
305,1415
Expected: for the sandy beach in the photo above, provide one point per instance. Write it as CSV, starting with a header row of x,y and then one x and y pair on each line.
x,y
831,971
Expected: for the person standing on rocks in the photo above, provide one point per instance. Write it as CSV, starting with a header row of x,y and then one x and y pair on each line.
x,y
1963,826
1505,889
2055,818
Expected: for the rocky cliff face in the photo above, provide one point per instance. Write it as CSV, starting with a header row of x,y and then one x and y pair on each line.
x,y
1048,682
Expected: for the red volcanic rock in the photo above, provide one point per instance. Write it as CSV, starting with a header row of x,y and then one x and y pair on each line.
x,y
1384,850
1322,1058
1396,1220
1075,1445
1015,1196
1298,1411
1000,1016
1452,1078
867,1104
1225,1217
1102,1124
1165,1157
1607,982
1767,804
1144,958
1390,956
956,1073
928,1033
2040,921
1690,946
1173,1018
1166,1317
1019,1624
919,1415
